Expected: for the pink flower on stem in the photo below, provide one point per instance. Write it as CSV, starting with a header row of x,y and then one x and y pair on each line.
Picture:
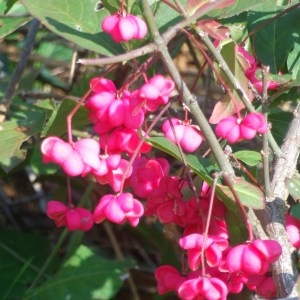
x,y
123,28
122,140
263,285
118,209
115,174
156,92
253,69
292,225
73,218
253,258
203,288
168,279
235,130
109,108
188,136
214,246
75,159
147,175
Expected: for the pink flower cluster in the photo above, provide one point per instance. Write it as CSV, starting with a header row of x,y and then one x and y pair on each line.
x,y
228,269
235,130
123,28
77,218
117,117
253,69
188,136
214,268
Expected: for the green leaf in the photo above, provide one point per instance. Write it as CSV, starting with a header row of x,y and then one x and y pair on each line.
x,y
250,158
250,195
293,61
13,133
236,227
57,124
238,65
77,21
10,24
84,276
19,253
275,38
295,210
280,121
238,7
293,186
12,15
201,166
165,16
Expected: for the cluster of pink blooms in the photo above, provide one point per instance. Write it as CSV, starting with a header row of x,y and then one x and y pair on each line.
x,y
117,117
227,268
123,28
235,129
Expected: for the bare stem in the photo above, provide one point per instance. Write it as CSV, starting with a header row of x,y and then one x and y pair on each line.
x,y
13,85
266,152
209,214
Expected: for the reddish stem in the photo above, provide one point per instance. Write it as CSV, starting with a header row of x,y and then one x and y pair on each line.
x,y
209,214
72,113
136,152
241,208
219,77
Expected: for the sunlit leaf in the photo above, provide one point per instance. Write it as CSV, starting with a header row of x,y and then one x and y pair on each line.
x,y
85,275
57,124
14,133
275,38
77,21
250,195
293,186
249,157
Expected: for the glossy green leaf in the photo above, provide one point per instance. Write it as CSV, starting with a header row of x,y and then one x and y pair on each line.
x,y
295,210
12,16
293,186
78,21
84,276
14,133
275,38
250,195
57,124
250,158
280,121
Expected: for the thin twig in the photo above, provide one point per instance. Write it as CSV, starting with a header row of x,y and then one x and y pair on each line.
x,y
120,256
13,84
